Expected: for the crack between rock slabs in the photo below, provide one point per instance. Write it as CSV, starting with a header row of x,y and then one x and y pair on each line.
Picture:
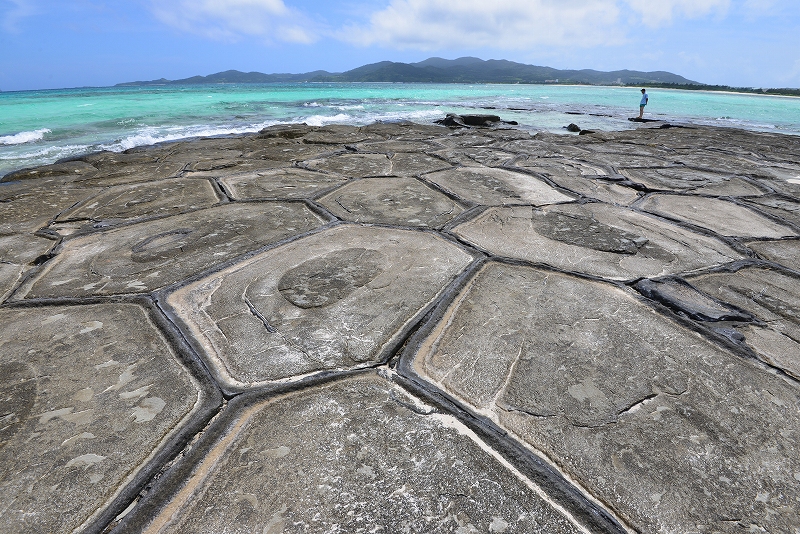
x,y
271,329
637,404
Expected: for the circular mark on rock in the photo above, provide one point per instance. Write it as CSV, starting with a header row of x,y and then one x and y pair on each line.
x,y
331,278
17,397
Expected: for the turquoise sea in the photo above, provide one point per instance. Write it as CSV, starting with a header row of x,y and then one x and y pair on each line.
x,y
38,127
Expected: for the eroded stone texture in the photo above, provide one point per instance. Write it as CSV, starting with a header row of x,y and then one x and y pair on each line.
x,y
35,208
150,255
130,203
353,165
596,239
721,216
687,300
413,164
670,431
331,300
280,183
771,296
690,180
785,252
85,404
401,201
67,170
488,186
17,252
286,151
361,461
785,208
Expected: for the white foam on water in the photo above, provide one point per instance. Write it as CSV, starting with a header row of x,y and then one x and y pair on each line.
x,y
321,120
50,153
151,136
24,137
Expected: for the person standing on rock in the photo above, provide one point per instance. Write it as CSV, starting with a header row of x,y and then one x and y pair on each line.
x,y
643,103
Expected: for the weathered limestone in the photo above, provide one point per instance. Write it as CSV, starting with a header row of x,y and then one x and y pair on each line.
x,y
721,216
131,203
785,208
35,209
694,181
286,151
400,201
786,252
17,253
771,296
279,184
491,187
337,299
150,255
673,433
85,406
367,458
596,239
353,165
582,178
405,164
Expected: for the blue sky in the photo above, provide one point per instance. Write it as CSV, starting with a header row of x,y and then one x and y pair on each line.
x,y
72,43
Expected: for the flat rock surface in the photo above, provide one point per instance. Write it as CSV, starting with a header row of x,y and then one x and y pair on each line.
x,y
405,328
400,201
154,254
336,299
78,426
490,187
279,183
597,239
720,216
361,462
674,433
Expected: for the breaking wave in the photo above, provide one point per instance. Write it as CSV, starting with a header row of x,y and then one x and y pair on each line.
x,y
24,137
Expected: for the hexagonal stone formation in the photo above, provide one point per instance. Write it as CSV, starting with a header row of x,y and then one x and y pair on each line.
x,y
785,252
785,208
66,171
671,432
488,186
366,458
703,182
29,209
286,151
414,164
490,157
774,298
17,252
134,202
596,239
400,201
280,183
337,299
720,216
241,166
353,165
395,146
86,405
151,255
339,134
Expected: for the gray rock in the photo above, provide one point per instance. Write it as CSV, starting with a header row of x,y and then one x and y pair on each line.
x,y
353,165
671,432
682,297
279,183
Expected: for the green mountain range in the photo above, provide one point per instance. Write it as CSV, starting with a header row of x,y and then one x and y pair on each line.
x,y
438,70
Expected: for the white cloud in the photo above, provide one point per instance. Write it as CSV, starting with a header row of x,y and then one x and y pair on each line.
x,y
518,24
509,24
656,13
231,19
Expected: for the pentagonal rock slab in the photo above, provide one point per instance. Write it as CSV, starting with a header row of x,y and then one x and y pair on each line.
x,y
361,461
280,183
35,208
241,166
771,296
596,239
487,186
353,165
132,173
670,431
130,203
785,252
785,208
337,299
286,151
721,216
706,183
400,201
86,405
405,164
150,255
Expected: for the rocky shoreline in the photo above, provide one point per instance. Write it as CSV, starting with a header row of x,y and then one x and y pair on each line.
x,y
405,328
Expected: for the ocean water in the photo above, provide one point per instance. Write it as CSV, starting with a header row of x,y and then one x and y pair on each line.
x,y
38,127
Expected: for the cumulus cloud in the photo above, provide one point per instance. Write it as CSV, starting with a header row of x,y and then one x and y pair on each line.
x,y
510,24
656,13
517,24
231,19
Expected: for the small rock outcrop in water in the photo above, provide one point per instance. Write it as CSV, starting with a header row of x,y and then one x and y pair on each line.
x,y
380,328
464,121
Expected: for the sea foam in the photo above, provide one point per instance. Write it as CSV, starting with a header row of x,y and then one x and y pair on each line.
x,y
24,137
